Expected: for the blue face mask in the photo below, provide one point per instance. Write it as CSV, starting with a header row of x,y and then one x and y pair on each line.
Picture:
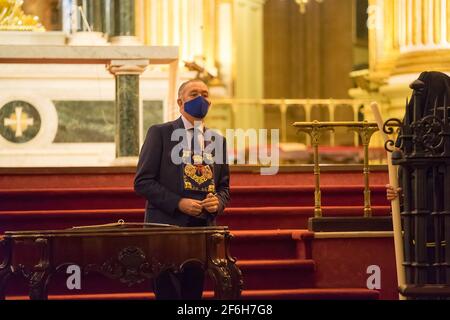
x,y
198,107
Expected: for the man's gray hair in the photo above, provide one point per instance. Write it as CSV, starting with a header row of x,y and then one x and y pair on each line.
x,y
184,84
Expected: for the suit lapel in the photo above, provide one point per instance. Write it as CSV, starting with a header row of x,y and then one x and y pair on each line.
x,y
176,124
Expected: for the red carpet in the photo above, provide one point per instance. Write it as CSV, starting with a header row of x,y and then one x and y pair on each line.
x,y
278,258
304,294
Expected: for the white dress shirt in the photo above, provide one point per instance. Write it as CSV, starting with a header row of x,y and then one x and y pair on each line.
x,y
189,133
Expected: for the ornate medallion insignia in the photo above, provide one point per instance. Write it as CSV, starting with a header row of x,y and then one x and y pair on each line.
x,y
198,178
20,121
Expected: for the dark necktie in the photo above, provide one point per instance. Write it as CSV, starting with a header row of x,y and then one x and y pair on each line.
x,y
196,147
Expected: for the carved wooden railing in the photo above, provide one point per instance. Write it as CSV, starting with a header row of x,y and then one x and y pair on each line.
x,y
332,107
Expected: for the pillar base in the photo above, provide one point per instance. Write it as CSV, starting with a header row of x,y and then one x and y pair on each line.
x,y
125,41
125,162
423,60
87,39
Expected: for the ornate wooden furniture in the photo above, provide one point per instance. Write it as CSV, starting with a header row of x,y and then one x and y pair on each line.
x,y
130,253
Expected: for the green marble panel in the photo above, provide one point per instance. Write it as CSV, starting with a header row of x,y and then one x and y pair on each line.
x,y
85,121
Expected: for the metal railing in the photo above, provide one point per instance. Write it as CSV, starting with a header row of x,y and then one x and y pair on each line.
x,y
315,129
423,155
334,108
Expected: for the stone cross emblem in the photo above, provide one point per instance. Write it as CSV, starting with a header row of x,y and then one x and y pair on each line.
x,y
18,121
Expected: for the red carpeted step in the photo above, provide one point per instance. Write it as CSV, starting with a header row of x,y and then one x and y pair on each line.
x,y
116,198
107,177
274,196
287,217
70,199
269,244
305,176
275,257
312,294
292,294
275,274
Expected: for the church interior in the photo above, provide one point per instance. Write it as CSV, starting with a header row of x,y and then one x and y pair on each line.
x,y
82,81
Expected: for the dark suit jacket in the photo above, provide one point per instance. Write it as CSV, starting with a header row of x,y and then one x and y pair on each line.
x,y
159,180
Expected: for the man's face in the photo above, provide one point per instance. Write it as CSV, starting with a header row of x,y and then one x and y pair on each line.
x,y
191,91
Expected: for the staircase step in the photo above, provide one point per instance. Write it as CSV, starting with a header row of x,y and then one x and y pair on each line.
x,y
304,175
338,195
98,177
275,274
266,215
291,294
70,199
287,217
276,264
241,196
252,218
312,294
270,244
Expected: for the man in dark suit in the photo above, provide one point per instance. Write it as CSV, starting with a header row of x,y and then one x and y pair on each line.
x,y
184,184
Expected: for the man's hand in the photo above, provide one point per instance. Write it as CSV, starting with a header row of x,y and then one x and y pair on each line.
x,y
392,194
190,206
211,203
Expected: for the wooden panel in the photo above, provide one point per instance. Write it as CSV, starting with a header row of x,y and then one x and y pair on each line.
x,y
310,55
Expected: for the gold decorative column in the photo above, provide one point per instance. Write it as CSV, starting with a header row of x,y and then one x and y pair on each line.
x,y
248,57
192,25
426,30
406,37
423,45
